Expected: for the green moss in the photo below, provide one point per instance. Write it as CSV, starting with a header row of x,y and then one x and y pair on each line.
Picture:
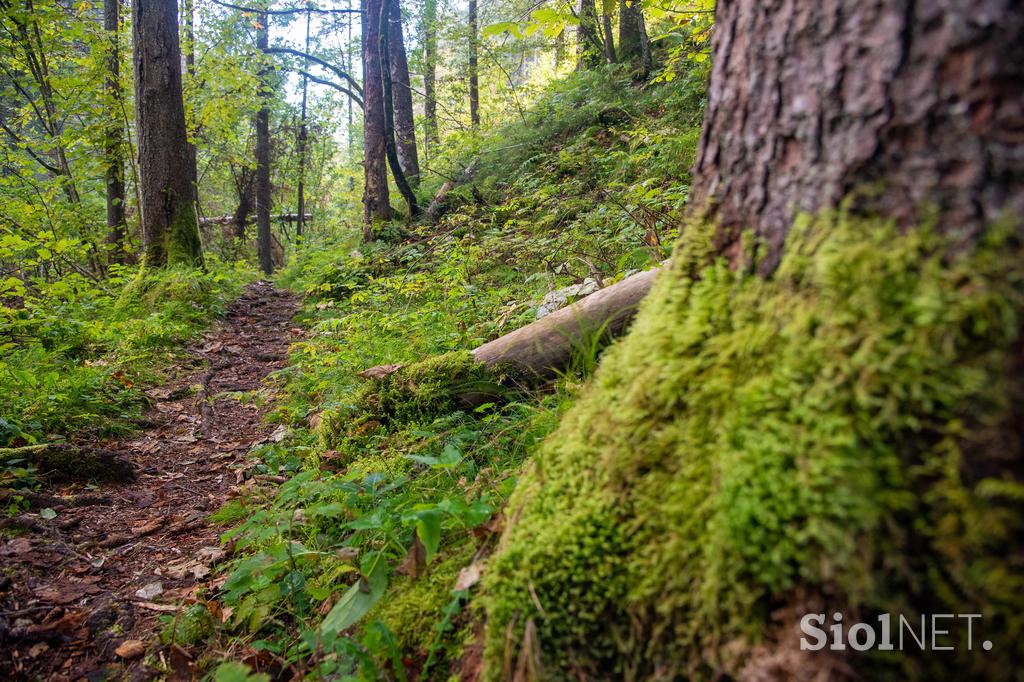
x,y
181,244
825,436
192,626
414,393
413,608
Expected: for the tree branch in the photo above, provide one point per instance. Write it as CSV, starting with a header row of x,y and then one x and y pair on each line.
x,y
290,10
316,60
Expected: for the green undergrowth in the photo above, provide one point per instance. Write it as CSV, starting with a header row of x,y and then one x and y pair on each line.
x,y
76,353
395,484
827,439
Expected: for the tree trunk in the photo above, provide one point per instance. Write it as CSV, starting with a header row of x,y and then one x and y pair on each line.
x,y
170,231
801,117
114,149
805,439
630,20
391,148
401,90
588,41
474,69
301,145
430,75
376,206
608,37
188,10
263,188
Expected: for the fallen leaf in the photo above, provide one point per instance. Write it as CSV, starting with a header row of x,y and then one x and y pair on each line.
x,y
416,559
47,514
149,591
469,576
130,648
210,555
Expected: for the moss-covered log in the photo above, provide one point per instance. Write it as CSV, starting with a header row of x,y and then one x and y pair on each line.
x,y
66,461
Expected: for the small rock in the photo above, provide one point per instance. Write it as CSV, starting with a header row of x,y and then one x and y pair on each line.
x,y
130,648
151,590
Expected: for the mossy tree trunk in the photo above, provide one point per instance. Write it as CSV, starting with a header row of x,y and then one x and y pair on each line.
x,y
170,229
114,133
811,414
909,107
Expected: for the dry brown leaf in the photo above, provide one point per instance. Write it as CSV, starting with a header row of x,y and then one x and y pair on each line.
x,y
469,576
130,648
415,561
380,371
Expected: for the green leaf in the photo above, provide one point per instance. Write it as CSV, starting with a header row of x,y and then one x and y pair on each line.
x,y
428,528
237,672
359,599
48,514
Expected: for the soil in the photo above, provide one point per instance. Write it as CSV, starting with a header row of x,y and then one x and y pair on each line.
x,y
82,593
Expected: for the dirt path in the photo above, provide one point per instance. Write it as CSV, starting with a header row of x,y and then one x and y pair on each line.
x,y
77,596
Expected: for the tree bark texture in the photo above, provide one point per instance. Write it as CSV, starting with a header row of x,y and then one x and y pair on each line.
x,y
912,109
114,147
170,231
588,40
630,19
401,92
376,206
430,74
474,69
608,37
389,112
263,188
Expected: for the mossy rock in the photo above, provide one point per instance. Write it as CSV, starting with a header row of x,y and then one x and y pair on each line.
x,y
825,439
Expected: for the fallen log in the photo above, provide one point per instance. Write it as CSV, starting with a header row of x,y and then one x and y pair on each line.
x,y
544,348
231,220
66,461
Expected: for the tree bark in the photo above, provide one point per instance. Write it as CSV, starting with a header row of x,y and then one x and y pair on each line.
x,y
376,206
608,37
630,20
170,231
925,123
301,146
263,188
401,91
474,68
430,75
588,41
114,133
391,148
188,10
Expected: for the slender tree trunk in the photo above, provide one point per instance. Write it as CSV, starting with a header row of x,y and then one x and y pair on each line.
x,y
474,74
188,10
919,124
589,45
376,206
608,37
170,230
264,242
116,227
430,75
301,145
405,124
391,147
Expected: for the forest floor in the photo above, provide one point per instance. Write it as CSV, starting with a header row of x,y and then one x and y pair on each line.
x,y
88,590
